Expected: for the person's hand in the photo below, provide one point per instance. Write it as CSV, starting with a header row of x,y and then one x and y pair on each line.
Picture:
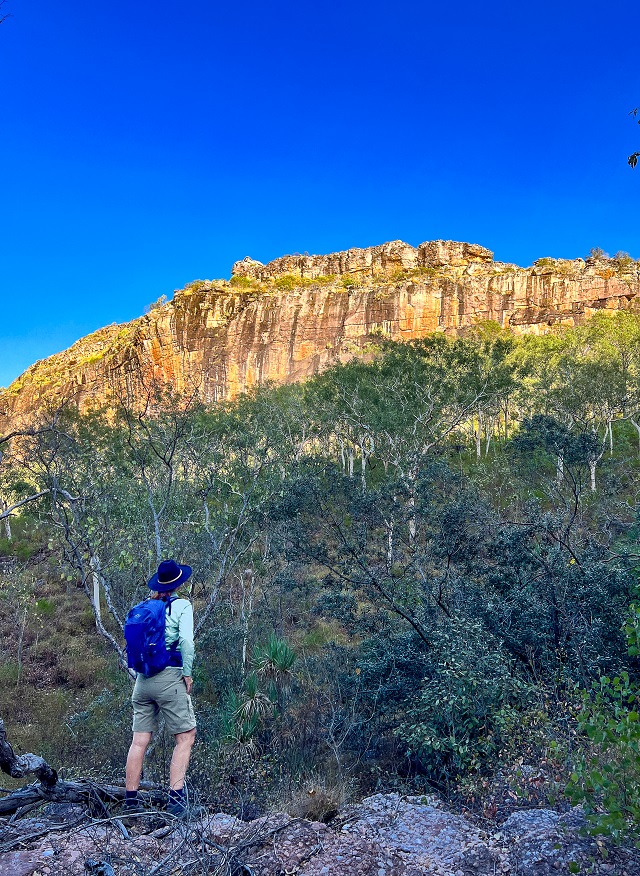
x,y
188,681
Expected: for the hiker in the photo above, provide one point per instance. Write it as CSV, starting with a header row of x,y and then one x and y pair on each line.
x,y
166,692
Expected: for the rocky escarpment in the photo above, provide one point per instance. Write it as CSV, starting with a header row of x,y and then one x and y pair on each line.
x,y
288,319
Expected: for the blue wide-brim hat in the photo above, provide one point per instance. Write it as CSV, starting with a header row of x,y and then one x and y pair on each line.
x,y
169,576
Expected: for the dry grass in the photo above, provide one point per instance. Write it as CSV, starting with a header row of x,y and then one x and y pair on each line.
x,y
317,799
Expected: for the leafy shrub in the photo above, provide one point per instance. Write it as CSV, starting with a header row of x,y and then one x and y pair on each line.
x,y
27,540
409,273
465,705
245,714
606,778
623,262
240,282
197,286
238,731
45,607
288,282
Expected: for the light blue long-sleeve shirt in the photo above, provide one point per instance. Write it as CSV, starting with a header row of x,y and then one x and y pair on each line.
x,y
179,628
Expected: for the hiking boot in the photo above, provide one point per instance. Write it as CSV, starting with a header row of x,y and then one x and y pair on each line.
x,y
178,808
131,808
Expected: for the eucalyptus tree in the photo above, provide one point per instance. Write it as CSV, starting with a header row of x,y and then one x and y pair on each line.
x,y
614,340
16,489
409,401
325,520
489,353
550,583
238,465
121,490
565,375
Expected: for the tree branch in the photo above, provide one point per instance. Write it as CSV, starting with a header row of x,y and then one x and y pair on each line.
x,y
7,511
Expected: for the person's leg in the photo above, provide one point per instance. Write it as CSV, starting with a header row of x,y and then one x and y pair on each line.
x,y
180,759
135,759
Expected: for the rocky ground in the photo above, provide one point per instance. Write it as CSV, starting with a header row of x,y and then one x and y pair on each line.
x,y
384,835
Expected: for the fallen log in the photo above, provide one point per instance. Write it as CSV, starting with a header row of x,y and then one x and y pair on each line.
x,y
92,794
19,767
50,789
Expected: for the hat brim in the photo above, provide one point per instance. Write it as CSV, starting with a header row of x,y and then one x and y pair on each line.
x,y
160,587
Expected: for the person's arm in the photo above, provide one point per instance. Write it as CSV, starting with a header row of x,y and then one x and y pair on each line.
x,y
185,643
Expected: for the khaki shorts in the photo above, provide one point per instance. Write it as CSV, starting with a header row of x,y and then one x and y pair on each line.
x,y
162,694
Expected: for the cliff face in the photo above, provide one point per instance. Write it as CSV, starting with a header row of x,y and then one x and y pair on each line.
x,y
286,320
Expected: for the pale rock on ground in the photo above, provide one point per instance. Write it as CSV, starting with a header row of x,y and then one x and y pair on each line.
x,y
384,835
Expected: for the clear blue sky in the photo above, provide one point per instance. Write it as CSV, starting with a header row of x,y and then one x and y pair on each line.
x,y
147,144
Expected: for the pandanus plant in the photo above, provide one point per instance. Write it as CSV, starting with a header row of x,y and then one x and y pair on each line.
x,y
274,662
245,714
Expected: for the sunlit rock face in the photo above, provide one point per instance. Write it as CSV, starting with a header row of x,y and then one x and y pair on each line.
x,y
288,319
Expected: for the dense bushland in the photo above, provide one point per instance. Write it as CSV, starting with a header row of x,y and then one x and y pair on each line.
x,y
406,569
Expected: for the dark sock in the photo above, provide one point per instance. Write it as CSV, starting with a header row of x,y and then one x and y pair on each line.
x,y
130,798
176,796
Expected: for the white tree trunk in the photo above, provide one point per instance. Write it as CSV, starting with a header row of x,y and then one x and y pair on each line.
x,y
246,610
95,574
7,523
488,443
637,427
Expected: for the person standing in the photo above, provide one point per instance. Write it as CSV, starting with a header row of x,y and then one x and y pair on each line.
x,y
168,693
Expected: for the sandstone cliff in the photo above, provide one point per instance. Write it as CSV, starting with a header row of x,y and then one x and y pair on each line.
x,y
288,319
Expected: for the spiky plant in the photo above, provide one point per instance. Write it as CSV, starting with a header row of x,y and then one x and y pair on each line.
x,y
254,703
238,731
274,662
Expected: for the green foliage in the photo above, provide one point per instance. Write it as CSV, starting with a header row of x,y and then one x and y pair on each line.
x,y
274,661
254,703
287,282
241,282
607,781
467,703
27,539
45,607
606,778
198,285
238,730
443,537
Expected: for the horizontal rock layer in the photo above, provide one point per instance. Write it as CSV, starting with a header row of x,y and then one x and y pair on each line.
x,y
287,320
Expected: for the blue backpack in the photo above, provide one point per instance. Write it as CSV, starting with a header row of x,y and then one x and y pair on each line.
x,y
144,631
